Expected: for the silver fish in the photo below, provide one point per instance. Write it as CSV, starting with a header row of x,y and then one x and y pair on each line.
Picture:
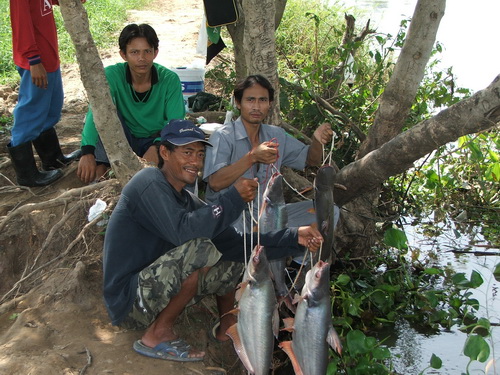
x,y
312,327
273,216
324,208
257,316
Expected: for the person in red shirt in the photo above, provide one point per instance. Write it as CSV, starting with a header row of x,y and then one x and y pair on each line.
x,y
41,97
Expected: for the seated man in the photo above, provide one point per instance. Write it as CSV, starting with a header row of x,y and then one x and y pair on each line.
x,y
165,249
147,95
249,148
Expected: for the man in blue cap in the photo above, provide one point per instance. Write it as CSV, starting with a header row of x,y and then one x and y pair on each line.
x,y
165,249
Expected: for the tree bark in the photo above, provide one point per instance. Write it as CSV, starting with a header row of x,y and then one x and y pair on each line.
x,y
396,101
254,43
478,113
236,31
259,44
356,231
123,160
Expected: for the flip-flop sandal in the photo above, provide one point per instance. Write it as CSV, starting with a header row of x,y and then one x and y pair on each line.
x,y
175,350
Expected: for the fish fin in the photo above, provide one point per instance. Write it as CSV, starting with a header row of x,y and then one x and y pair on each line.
x,y
276,322
333,340
288,322
288,301
288,349
234,311
305,190
297,298
240,289
232,332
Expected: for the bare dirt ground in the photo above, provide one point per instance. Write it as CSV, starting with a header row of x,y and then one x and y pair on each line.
x,y
52,316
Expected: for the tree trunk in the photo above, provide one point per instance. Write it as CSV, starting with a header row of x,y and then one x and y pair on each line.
x,y
478,113
259,44
123,160
398,96
356,231
236,31
254,43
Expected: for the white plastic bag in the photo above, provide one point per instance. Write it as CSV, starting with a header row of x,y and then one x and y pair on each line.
x,y
97,209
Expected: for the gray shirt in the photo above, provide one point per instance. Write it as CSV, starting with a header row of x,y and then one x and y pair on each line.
x,y
231,143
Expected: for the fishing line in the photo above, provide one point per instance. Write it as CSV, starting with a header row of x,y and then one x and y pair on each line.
x,y
245,239
320,249
250,208
294,281
258,221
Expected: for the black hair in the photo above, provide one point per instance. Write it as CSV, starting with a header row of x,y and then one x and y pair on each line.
x,y
251,81
133,31
170,147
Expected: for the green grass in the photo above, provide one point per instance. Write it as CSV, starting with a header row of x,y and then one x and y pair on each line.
x,y
106,19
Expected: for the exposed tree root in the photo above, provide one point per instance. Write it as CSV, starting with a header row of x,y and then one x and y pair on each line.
x,y
63,199
75,202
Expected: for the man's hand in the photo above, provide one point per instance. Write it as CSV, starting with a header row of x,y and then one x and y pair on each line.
x,y
266,153
324,133
39,76
247,188
310,237
87,167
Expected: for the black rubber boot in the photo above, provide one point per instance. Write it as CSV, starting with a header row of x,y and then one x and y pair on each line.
x,y
48,148
27,172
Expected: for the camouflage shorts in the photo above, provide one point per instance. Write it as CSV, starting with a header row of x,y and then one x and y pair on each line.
x,y
162,280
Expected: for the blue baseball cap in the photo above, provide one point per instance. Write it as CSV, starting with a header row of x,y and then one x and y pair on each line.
x,y
182,132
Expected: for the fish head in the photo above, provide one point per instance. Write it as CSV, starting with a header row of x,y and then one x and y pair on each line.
x,y
272,213
317,283
325,176
274,188
258,266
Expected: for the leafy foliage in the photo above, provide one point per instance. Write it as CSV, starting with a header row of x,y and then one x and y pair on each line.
x,y
390,287
460,179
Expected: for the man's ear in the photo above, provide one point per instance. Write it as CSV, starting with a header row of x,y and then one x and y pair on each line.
x,y
164,153
123,55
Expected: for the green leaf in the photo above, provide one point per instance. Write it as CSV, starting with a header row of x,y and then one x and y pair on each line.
x,y
496,272
475,279
331,369
433,271
389,288
396,238
484,323
343,279
476,348
356,343
381,353
436,362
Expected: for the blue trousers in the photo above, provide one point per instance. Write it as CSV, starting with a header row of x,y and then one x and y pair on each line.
x,y
37,109
138,145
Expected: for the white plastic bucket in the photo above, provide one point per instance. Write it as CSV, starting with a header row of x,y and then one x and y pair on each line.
x,y
192,81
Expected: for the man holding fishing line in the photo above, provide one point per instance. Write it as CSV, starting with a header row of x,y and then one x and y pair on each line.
x,y
248,148
165,249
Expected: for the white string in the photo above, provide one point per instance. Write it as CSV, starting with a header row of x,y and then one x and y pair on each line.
x,y
250,208
259,208
245,238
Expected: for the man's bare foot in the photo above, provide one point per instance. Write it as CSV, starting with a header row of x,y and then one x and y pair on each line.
x,y
225,322
173,350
